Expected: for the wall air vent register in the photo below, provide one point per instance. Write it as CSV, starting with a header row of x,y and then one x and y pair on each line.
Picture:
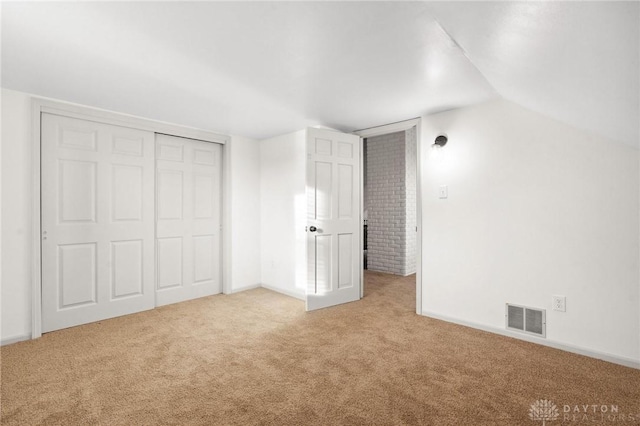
x,y
526,320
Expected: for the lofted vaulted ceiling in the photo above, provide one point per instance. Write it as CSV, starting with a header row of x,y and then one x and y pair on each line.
x,y
267,68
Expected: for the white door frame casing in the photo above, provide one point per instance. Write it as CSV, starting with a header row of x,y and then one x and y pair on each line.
x,y
384,130
41,105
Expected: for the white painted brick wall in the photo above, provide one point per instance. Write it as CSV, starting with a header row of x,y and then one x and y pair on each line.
x,y
386,204
390,201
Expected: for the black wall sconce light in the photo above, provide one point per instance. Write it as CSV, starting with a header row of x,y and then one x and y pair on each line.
x,y
439,142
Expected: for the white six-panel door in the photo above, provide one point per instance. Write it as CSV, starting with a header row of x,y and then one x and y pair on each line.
x,y
97,221
188,209
333,209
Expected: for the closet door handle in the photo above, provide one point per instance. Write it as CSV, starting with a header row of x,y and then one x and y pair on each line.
x,y
313,229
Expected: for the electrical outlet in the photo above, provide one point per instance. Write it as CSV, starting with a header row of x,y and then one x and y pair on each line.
x,y
559,303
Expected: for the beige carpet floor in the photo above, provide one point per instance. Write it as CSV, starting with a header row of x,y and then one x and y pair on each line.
x,y
257,358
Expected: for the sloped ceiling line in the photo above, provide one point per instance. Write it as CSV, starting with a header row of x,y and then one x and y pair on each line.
x,y
464,53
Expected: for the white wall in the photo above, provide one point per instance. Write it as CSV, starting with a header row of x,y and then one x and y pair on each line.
x,y
536,208
283,213
245,211
16,215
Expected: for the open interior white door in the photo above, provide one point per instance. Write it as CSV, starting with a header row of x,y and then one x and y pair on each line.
x,y
333,226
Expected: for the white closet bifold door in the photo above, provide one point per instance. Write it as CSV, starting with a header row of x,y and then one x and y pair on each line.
x,y
97,221
188,209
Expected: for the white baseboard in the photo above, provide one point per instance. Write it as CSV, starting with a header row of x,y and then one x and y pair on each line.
x,y
627,362
297,294
15,339
249,287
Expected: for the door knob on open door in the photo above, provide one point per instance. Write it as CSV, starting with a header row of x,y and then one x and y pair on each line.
x,y
313,229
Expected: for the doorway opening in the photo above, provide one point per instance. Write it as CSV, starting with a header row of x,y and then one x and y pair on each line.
x,y
390,208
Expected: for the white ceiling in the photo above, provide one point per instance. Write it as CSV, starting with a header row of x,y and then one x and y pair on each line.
x,y
267,68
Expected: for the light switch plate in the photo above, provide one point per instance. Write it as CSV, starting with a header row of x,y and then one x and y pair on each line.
x,y
443,192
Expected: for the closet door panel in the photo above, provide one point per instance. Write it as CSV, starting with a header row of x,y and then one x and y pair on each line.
x,y
188,210
97,221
